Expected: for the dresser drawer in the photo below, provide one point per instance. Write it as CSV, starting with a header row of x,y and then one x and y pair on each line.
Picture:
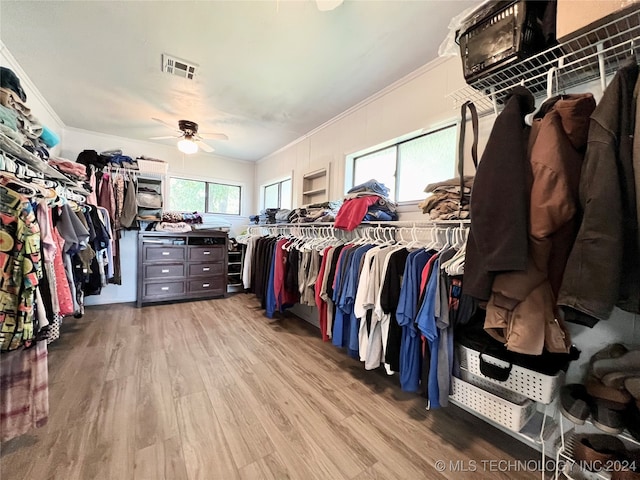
x,y
164,271
207,286
163,253
163,288
206,253
205,269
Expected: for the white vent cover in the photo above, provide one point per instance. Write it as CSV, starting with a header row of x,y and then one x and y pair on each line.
x,y
179,67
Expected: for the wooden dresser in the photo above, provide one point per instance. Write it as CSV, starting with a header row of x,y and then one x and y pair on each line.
x,y
181,266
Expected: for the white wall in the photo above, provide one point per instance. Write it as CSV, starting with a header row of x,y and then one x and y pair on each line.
x,y
412,105
200,166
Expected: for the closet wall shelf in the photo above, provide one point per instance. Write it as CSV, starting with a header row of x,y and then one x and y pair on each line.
x,y
34,162
321,172
315,185
529,434
588,56
316,191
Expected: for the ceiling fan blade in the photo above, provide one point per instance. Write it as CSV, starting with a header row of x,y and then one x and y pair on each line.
x,y
206,147
213,136
168,125
164,137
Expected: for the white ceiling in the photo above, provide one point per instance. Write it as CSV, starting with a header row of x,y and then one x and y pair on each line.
x,y
270,71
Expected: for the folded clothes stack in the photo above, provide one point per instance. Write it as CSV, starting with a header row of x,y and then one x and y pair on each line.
x,y
172,227
610,394
69,168
446,201
369,202
316,212
17,122
266,217
188,218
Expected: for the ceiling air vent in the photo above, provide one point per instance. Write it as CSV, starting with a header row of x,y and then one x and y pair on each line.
x,y
179,67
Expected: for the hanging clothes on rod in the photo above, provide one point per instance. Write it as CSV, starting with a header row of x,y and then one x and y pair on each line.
x,y
364,304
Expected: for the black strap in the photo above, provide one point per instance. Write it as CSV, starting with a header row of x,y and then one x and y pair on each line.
x,y
474,146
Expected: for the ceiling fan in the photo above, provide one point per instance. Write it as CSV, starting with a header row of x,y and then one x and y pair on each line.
x,y
190,139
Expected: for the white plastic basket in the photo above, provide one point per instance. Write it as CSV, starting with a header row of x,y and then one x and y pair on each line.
x,y
502,411
534,385
152,166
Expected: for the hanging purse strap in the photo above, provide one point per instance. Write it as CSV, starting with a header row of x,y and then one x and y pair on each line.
x,y
474,147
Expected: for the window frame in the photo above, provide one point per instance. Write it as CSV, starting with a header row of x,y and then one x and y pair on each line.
x,y
279,183
351,159
208,182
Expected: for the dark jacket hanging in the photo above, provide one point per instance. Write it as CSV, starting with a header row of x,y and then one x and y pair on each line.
x,y
499,200
604,266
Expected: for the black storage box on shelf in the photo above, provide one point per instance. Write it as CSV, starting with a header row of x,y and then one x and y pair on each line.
x,y
504,32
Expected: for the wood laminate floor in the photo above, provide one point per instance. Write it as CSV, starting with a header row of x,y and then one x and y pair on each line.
x,y
213,390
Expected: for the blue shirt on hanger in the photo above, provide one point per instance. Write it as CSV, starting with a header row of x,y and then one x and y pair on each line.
x,y
351,287
339,320
410,358
426,322
270,300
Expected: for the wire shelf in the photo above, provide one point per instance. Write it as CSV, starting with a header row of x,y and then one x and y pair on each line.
x,y
586,57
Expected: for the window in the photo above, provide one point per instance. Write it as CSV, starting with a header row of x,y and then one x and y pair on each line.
x,y
278,195
407,167
199,196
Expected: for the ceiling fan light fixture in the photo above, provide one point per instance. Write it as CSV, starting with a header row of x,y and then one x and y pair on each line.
x,y
187,146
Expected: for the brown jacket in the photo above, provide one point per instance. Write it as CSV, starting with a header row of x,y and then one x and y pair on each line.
x,y
603,269
521,311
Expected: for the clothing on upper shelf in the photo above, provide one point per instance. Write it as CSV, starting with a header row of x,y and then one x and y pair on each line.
x,y
315,212
444,203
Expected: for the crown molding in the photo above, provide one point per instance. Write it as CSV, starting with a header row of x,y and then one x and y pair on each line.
x,y
25,80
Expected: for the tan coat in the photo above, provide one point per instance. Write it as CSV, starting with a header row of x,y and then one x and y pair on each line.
x,y
522,308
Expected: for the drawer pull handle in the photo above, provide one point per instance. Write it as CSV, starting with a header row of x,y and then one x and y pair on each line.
x,y
206,253
164,288
166,253
205,269
205,285
165,270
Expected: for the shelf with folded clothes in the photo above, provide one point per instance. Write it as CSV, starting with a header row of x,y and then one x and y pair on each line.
x,y
36,169
29,159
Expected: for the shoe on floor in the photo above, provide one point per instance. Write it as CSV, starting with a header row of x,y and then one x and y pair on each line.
x,y
613,350
575,402
629,467
632,385
592,448
627,363
617,379
607,419
613,398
